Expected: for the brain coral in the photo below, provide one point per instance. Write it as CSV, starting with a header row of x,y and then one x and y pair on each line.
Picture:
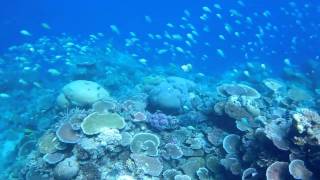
x,y
81,93
66,169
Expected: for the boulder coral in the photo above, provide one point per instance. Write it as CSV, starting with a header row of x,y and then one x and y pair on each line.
x,y
170,96
166,98
81,93
66,169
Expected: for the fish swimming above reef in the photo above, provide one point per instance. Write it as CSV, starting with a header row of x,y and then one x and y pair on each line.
x,y
172,90
25,33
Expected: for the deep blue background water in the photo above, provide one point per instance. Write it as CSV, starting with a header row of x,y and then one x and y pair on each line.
x,y
85,17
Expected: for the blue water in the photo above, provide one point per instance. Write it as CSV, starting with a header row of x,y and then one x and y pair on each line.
x,y
243,42
83,18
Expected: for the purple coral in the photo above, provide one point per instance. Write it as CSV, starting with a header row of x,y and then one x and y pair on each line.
x,y
161,121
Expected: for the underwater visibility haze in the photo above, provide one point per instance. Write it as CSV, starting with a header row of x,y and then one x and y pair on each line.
x,y
168,90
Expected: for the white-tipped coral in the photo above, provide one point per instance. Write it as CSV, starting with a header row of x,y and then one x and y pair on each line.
x,y
298,170
249,174
231,143
277,171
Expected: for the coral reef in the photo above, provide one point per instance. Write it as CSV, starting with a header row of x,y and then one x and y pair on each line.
x,y
125,120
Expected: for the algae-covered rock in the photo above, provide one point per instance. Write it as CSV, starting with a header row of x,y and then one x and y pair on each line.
x,y
26,148
173,150
238,107
47,143
182,177
149,165
232,164
238,90
278,131
126,139
169,174
81,93
299,94
213,163
307,124
191,166
96,122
